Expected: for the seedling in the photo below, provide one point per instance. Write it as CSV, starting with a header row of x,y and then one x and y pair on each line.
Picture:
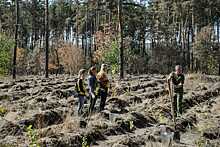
x,y
85,142
32,135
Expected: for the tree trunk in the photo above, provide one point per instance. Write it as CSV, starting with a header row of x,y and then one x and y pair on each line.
x,y
90,45
0,25
109,18
97,17
121,56
143,47
34,29
180,35
218,30
77,28
152,43
32,41
58,62
193,35
90,49
105,18
42,40
86,32
46,38
25,42
16,40
188,48
219,67
83,44
94,33
67,34
95,28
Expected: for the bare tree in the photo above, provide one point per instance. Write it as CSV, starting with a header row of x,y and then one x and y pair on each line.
x,y
121,55
16,39
46,37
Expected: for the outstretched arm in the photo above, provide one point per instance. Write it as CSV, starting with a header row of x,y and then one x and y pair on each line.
x,y
170,77
91,84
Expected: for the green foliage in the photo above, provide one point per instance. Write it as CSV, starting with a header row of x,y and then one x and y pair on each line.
x,y
128,92
85,142
111,57
32,134
131,124
157,22
162,119
6,145
6,45
212,64
134,60
4,97
114,68
2,111
201,142
203,51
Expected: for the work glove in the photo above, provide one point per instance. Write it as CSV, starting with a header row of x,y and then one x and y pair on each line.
x,y
93,95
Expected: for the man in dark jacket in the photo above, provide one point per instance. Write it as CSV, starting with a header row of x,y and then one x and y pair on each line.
x,y
177,79
92,84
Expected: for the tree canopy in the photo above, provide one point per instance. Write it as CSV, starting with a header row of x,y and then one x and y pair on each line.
x,y
153,34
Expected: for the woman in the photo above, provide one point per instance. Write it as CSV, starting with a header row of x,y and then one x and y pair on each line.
x,y
103,81
81,90
92,83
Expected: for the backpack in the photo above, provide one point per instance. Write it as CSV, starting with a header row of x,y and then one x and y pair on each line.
x,y
77,87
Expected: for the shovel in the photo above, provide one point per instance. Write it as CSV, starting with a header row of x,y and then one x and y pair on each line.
x,y
176,132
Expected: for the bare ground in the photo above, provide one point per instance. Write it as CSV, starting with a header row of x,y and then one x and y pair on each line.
x,y
136,113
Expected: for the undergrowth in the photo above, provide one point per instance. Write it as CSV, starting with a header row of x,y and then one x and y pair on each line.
x,y
33,137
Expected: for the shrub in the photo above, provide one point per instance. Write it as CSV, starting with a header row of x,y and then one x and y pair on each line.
x,y
71,58
111,57
6,44
204,53
21,60
136,63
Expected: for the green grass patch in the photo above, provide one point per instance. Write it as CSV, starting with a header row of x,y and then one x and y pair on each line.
x,y
6,145
4,97
3,111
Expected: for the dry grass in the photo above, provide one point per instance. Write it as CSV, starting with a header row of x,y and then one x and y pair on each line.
x,y
71,124
216,108
202,126
198,82
155,144
97,121
192,81
207,119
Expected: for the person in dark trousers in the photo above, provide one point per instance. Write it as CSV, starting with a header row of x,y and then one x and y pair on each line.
x,y
177,79
81,90
93,86
103,85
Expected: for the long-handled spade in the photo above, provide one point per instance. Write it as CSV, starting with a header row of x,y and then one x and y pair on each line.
x,y
176,136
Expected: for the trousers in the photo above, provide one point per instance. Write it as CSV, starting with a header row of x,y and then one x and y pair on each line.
x,y
81,104
177,103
